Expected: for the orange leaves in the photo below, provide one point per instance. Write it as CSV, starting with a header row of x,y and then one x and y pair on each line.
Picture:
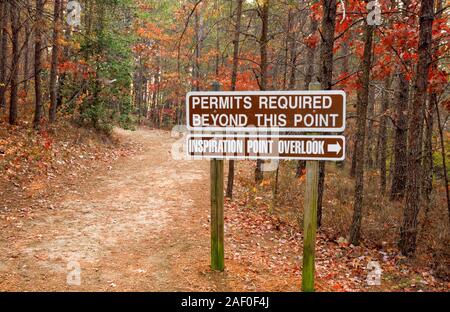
x,y
80,68
67,66
312,41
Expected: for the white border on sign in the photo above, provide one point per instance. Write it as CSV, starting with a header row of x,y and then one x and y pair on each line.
x,y
263,136
255,129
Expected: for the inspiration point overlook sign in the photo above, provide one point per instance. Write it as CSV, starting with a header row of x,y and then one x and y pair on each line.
x,y
302,147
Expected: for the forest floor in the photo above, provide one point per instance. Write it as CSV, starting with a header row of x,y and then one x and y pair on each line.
x,y
135,219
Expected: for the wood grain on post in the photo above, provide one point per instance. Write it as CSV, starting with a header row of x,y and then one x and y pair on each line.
x,y
217,219
310,218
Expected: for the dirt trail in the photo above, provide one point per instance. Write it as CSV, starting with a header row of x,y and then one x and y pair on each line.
x,y
125,227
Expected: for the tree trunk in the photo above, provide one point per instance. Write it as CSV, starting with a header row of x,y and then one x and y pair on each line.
x,y
399,175
363,99
3,54
427,182
383,136
264,16
326,75
54,64
370,133
198,43
65,56
26,65
408,230
427,186
309,74
354,157
237,32
38,65
444,159
15,28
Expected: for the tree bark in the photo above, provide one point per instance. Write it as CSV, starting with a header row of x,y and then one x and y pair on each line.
x,y
309,74
383,134
263,12
237,32
54,63
444,160
370,133
427,186
326,76
363,99
38,66
26,65
408,230
427,181
3,54
15,28
399,175
198,43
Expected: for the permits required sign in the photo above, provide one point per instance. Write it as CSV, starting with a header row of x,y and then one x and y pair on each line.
x,y
293,111
248,146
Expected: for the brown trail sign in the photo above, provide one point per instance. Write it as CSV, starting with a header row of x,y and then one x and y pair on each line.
x,y
305,147
298,111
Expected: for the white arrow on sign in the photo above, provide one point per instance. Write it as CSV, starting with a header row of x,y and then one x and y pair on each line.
x,y
334,147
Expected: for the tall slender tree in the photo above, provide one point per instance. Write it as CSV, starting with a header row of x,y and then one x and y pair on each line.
x,y
326,75
408,230
3,53
38,108
54,62
363,100
399,174
383,135
15,28
263,12
237,32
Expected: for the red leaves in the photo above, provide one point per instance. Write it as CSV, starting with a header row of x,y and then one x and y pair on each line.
x,y
387,40
67,67
342,26
408,56
312,40
359,49
48,141
316,10
438,79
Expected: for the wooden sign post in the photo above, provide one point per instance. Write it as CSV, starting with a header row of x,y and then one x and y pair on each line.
x,y
217,221
310,219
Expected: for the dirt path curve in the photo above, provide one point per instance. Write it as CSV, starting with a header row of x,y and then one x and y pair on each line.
x,y
126,228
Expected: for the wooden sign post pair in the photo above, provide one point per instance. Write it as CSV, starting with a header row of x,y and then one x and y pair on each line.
x,y
280,113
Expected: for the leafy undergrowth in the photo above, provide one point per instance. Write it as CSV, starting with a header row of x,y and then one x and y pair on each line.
x,y
30,161
271,243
